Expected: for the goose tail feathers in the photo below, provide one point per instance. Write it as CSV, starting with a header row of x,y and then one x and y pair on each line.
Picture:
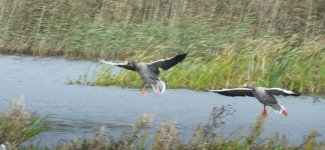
x,y
280,109
160,87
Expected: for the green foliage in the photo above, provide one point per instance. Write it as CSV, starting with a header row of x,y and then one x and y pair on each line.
x,y
268,63
113,28
271,42
17,125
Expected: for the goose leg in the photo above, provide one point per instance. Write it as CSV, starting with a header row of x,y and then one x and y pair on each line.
x,y
264,112
143,91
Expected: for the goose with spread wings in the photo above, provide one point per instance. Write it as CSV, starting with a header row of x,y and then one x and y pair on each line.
x,y
262,94
149,72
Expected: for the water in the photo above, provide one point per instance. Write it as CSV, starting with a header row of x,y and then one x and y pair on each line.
x,y
78,111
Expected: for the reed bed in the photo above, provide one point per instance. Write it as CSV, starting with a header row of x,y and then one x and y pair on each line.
x,y
112,28
275,64
271,42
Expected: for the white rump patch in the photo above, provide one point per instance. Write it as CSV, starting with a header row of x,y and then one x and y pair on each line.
x,y
160,87
280,111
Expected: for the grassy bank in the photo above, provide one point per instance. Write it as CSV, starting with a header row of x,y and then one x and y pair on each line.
x,y
272,42
17,126
274,64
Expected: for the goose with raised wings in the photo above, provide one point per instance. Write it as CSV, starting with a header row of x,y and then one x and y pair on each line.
x,y
149,72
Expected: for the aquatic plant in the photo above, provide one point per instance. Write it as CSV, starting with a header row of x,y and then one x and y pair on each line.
x,y
17,125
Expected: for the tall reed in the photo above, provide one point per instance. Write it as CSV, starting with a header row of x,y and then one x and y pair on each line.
x,y
270,63
114,28
229,41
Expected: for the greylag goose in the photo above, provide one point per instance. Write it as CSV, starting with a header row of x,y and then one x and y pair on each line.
x,y
262,94
149,72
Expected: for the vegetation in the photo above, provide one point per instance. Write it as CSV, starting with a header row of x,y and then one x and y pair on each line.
x,y
17,126
300,69
272,42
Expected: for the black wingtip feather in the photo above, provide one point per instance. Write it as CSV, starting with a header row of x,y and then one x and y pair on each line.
x,y
296,93
181,55
206,90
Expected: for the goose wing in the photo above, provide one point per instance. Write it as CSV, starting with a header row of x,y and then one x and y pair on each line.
x,y
125,65
166,63
234,92
279,91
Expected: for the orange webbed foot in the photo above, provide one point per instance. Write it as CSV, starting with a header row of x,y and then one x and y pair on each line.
x,y
285,113
143,93
264,114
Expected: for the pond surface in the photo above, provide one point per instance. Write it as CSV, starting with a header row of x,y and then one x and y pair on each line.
x,y
78,111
